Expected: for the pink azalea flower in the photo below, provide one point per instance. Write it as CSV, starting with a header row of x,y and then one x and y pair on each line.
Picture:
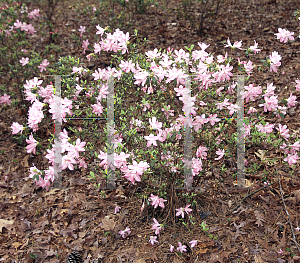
x,y
141,77
32,144
68,161
213,119
291,101
34,14
235,45
284,35
24,61
157,227
201,152
270,104
284,132
181,210
152,240
291,159
127,66
5,99
16,127
43,65
193,243
221,153
85,45
251,110
81,30
268,128
100,30
151,140
155,124
124,232
254,48
82,163
156,201
181,248
248,67
297,82
275,61
117,209
223,73
171,248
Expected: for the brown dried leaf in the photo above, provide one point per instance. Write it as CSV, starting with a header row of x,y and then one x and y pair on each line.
x,y
6,223
107,223
259,218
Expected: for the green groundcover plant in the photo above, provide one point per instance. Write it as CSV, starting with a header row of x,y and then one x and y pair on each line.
x,y
148,149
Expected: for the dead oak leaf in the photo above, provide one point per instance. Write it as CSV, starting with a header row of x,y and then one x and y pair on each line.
x,y
6,223
259,217
108,223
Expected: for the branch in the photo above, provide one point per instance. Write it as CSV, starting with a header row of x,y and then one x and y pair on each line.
x,y
252,194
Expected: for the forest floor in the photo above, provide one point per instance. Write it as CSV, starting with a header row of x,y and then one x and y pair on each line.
x,y
48,225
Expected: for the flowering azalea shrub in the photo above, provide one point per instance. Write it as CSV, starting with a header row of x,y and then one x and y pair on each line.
x,y
156,74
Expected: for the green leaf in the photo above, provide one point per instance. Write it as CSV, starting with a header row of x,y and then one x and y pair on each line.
x,y
32,256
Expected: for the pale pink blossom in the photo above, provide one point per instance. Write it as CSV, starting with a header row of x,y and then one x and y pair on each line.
x,y
237,44
16,128
85,44
152,240
291,101
251,110
100,30
284,132
81,30
268,128
24,61
270,104
274,61
284,35
201,152
291,159
221,153
297,82
43,65
181,248
151,140
171,248
254,48
34,14
5,99
193,243
32,144
157,227
181,210
117,209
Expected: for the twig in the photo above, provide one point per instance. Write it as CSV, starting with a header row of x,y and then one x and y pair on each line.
x,y
291,225
248,195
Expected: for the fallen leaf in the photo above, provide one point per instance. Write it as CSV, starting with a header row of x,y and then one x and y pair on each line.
x,y
107,223
6,223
